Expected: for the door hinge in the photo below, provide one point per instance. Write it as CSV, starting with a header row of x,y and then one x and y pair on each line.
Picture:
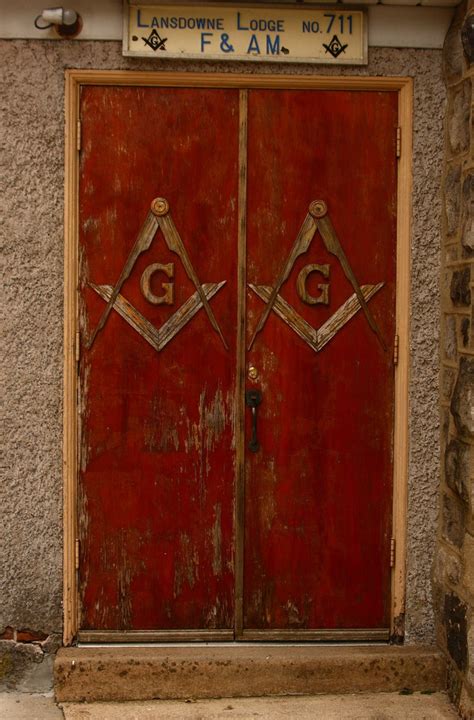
x,y
78,346
396,346
76,558
399,141
79,136
392,552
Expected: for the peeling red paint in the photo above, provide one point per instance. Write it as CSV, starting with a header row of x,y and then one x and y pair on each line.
x,y
157,481
318,496
157,439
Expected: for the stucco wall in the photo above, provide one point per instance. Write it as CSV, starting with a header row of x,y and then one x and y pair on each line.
x,y
33,234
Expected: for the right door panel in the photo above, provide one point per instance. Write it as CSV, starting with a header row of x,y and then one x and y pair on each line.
x,y
318,492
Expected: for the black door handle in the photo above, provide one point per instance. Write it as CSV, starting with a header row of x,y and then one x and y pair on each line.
x,y
253,398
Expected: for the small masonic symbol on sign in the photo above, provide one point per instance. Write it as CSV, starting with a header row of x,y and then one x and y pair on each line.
x,y
335,47
155,41
157,217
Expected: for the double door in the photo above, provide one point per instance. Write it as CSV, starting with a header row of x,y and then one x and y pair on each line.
x,y
237,322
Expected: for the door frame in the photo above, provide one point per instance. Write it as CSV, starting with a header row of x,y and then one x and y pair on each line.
x,y
75,79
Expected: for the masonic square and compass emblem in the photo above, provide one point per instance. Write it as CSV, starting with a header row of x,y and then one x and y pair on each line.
x,y
158,217
316,219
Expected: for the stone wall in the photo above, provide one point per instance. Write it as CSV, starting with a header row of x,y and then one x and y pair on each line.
x,y
454,568
33,149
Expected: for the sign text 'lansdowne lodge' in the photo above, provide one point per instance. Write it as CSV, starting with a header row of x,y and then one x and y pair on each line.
x,y
230,32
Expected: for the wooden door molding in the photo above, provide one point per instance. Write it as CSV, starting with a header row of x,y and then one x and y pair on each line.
x,y
77,78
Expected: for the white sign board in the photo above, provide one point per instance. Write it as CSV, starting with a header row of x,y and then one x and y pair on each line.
x,y
309,34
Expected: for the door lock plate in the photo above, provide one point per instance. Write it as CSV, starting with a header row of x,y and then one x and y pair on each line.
x,y
253,373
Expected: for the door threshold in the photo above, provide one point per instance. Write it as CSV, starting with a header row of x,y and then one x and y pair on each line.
x,y
194,637
234,644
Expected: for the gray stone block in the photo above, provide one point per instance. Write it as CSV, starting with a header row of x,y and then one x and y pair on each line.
x,y
453,521
452,198
459,118
468,579
456,629
467,232
450,337
462,402
448,567
460,291
447,382
457,461
453,53
445,418
465,331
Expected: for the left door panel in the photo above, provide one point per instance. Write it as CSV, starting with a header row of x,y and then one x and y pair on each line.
x,y
156,478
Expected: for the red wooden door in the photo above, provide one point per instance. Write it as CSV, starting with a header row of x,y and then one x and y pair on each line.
x,y
166,544
318,493
157,465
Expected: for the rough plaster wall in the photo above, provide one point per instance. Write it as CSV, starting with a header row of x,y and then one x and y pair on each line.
x,y
31,146
33,206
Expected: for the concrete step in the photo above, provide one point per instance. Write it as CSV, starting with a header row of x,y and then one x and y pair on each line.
x,y
377,706
175,673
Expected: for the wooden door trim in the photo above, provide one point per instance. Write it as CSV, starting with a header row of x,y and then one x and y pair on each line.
x,y
77,78
70,350
402,370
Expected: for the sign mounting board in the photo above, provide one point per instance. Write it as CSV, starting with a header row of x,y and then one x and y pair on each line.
x,y
309,34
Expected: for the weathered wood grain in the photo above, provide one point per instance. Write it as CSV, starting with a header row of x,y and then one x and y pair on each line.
x,y
175,244
142,243
318,495
239,408
156,478
301,245
333,245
